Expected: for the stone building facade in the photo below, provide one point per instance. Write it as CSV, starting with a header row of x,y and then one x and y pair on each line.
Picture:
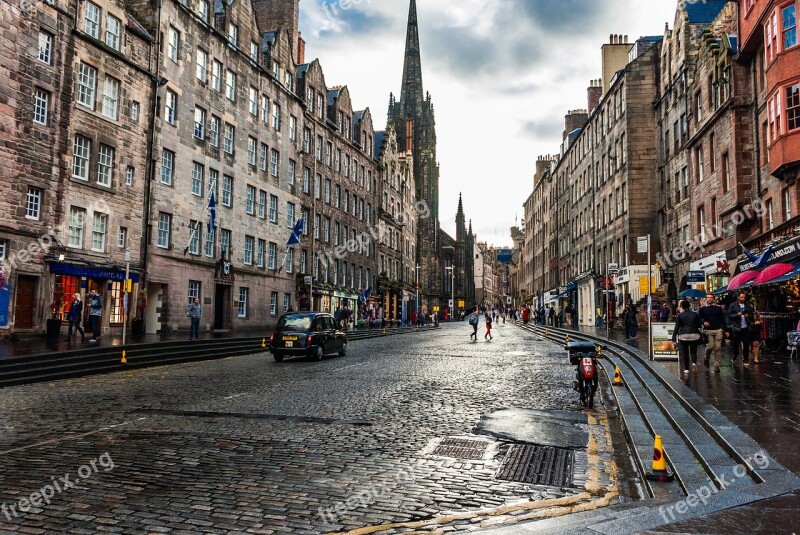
x,y
77,103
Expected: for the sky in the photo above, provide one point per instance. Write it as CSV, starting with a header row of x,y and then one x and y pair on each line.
x,y
501,73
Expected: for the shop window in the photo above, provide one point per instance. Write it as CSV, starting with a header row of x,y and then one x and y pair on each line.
x,y
117,310
65,286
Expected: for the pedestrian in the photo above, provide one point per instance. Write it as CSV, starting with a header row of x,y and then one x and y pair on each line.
x,y
95,312
630,322
74,316
488,326
552,316
663,314
740,316
474,320
713,318
526,315
598,317
194,312
687,332
755,335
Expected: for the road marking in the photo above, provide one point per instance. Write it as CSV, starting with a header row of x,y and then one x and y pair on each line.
x,y
54,440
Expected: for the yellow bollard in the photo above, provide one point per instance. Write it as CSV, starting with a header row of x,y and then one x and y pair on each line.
x,y
124,359
263,343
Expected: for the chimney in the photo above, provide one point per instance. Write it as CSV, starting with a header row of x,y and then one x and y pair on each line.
x,y
301,49
594,92
573,120
272,15
615,58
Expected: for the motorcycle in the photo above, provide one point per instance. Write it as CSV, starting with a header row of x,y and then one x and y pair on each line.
x,y
584,356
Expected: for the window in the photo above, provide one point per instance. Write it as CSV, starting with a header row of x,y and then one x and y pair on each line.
x,y
167,166
303,261
273,209
262,251
293,128
45,47
793,107
276,116
41,103
112,32
105,165
274,160
213,131
701,223
164,229
326,230
199,123
265,109
254,51
33,203
225,243
122,237
318,186
76,218
789,18
249,242
272,256
305,216
307,140
699,160
210,243
337,196
129,175
318,149
287,302
80,157
135,111
227,190
198,172
316,226
338,160
241,310
328,153
200,69
290,222
202,8
290,260
787,205
230,85
194,291
273,303
262,204
698,106
216,76
233,34
711,153
252,143
99,232
726,175
770,220
173,45
227,140
262,158
170,107
292,172
328,190
250,200
306,180
253,101
87,83
91,20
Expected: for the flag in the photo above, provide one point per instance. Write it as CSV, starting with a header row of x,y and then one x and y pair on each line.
x,y
212,211
294,239
761,260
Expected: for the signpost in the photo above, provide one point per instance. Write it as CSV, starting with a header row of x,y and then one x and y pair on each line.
x,y
643,246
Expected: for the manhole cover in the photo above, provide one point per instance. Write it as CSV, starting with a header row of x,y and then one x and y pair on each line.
x,y
461,448
539,465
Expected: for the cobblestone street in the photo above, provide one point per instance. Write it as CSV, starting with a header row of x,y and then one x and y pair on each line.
x,y
245,444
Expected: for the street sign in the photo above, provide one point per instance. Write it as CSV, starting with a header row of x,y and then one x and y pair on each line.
x,y
695,277
307,279
643,285
450,303
641,244
460,303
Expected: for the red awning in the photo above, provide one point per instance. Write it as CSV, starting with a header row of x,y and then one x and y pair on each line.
x,y
742,278
773,272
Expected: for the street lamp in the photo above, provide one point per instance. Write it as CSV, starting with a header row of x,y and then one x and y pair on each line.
x,y
416,287
452,271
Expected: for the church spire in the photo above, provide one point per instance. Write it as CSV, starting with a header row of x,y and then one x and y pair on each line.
x,y
412,92
460,230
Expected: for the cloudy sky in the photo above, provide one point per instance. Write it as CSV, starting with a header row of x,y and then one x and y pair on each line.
x,y
502,75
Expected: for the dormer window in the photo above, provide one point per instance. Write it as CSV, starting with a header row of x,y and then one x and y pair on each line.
x,y
202,8
233,35
254,51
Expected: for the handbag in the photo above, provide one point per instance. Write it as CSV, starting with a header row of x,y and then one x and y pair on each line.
x,y
692,337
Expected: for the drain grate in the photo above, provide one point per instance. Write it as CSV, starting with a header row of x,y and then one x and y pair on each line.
x,y
461,448
539,465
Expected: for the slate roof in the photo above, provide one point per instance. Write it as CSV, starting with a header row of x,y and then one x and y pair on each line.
x,y
703,11
333,94
302,69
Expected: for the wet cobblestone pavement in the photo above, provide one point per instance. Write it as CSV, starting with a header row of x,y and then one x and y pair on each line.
x,y
248,445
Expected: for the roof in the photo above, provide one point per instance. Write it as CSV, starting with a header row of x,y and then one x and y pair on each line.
x,y
654,38
137,28
333,94
703,11
302,69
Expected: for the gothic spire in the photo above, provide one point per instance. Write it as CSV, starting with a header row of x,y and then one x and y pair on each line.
x,y
460,230
412,92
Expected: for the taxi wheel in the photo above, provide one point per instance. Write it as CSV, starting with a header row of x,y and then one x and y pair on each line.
x,y
343,351
278,357
320,354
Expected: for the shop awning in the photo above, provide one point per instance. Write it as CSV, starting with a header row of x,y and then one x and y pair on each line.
x,y
794,272
720,291
62,268
743,280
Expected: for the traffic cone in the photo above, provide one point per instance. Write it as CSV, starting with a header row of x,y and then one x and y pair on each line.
x,y
566,340
617,377
547,332
124,360
659,471
263,343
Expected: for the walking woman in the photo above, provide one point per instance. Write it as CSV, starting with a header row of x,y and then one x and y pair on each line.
x,y
488,326
755,335
74,316
687,332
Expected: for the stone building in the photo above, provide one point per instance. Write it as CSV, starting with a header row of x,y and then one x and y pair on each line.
x,y
398,218
76,120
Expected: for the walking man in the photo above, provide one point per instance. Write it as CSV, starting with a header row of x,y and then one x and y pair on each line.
x,y
740,315
195,313
713,319
473,322
95,312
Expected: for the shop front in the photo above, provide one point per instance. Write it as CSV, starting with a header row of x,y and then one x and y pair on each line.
x,y
715,272
631,284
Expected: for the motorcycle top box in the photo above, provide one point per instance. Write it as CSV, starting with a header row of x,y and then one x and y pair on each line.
x,y
578,350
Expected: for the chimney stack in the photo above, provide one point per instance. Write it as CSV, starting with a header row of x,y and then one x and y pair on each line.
x,y
573,120
593,93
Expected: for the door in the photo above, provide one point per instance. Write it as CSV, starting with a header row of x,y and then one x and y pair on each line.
x,y
23,307
334,341
221,300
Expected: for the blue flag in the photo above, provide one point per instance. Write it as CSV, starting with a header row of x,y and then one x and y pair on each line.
x,y
761,260
212,211
294,239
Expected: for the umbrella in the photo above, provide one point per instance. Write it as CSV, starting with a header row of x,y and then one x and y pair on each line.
x,y
773,272
693,293
741,279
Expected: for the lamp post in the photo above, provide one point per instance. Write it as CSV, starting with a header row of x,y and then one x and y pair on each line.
x,y
452,271
416,287
126,298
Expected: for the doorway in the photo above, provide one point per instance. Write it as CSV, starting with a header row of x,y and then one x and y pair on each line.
x,y
222,298
24,302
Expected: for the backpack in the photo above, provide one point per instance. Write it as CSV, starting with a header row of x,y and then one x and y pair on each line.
x,y
473,320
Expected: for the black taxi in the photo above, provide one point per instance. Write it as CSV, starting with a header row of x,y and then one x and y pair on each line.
x,y
307,334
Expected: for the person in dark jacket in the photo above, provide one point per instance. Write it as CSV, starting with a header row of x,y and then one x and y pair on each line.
x,y
630,322
713,318
74,316
740,316
687,332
